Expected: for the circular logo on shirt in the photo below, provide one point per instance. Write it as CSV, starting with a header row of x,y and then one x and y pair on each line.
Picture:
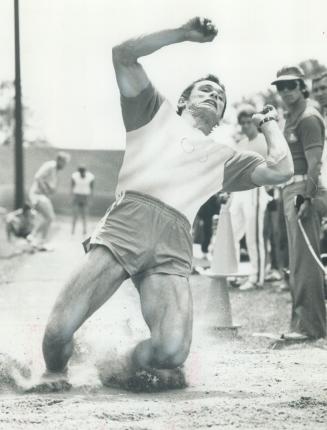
x,y
190,145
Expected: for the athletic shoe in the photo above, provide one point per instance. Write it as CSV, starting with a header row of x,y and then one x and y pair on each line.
x,y
294,336
273,276
249,285
284,287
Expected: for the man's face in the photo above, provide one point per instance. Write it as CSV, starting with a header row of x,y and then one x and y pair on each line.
x,y
208,97
319,91
82,172
248,126
289,91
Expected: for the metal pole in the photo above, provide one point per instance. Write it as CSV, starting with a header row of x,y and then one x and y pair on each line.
x,y
19,166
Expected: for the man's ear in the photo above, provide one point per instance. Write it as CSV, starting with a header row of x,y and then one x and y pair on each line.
x,y
181,103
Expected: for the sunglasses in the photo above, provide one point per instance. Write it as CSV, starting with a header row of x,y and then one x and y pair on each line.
x,y
286,85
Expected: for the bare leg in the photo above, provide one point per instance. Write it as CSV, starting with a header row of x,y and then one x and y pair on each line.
x,y
45,209
83,211
75,216
10,231
167,308
99,276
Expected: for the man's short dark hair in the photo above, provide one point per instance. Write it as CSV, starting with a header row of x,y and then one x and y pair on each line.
x,y
304,89
246,112
186,93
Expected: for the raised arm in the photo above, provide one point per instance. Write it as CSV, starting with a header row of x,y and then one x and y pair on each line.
x,y
130,75
278,167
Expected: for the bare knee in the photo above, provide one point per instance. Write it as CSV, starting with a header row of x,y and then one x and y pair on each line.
x,y
49,217
172,351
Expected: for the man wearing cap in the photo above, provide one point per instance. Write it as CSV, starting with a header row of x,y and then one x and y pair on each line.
x,y
82,183
43,187
305,132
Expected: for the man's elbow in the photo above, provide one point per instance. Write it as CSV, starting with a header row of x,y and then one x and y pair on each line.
x,y
122,54
116,53
285,176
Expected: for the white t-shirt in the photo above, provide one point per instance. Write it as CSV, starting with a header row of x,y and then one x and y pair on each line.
x,y
82,185
172,161
47,174
258,144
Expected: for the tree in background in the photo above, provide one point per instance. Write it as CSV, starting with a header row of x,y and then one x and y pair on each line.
x,y
311,68
7,112
7,119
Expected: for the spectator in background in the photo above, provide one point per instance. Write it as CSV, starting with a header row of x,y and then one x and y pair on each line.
x,y
19,223
248,207
43,187
206,212
276,240
305,133
82,184
319,91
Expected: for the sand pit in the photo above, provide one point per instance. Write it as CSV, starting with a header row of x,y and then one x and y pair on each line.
x,y
240,383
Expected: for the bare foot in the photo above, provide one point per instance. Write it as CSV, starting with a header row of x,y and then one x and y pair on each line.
x,y
154,380
50,383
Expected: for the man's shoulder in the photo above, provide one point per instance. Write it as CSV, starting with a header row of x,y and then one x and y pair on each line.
x,y
311,111
50,164
90,175
140,110
47,167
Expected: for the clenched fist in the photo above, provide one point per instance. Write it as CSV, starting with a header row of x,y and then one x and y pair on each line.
x,y
268,113
200,30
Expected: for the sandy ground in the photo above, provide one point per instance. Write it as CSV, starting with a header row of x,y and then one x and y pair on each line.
x,y
241,383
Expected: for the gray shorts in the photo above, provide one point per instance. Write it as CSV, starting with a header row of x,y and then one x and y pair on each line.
x,y
146,236
80,200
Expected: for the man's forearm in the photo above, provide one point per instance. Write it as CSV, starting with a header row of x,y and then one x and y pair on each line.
x,y
312,181
279,156
129,51
45,187
130,75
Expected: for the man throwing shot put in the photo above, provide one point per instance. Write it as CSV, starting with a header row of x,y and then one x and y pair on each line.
x,y
171,167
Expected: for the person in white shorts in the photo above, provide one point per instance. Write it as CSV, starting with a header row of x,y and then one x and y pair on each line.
x,y
247,208
82,183
43,187
171,166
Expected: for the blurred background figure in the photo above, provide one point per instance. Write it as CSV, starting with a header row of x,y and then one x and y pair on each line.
x,y
20,222
275,238
44,185
305,133
247,208
205,224
82,184
319,92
